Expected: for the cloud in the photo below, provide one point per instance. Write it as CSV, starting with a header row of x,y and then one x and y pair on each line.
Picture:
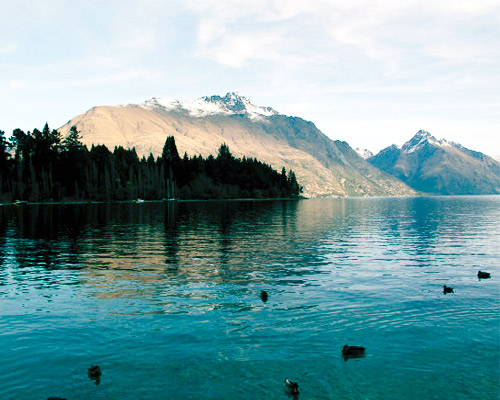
x,y
17,85
101,79
140,40
237,49
461,51
6,48
391,33
88,81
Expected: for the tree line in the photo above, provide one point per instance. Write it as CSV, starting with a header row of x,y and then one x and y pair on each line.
x,y
43,166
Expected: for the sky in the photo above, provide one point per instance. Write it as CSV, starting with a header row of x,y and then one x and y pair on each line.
x,y
371,73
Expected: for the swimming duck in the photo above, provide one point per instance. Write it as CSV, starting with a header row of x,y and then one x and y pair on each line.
x,y
263,296
291,387
353,351
95,373
447,289
483,275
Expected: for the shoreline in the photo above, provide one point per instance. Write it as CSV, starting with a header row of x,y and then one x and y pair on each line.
x,y
141,201
138,201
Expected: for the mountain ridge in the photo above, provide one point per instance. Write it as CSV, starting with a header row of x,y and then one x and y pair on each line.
x,y
231,104
439,166
323,167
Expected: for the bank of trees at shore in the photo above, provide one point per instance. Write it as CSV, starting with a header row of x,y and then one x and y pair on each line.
x,y
42,166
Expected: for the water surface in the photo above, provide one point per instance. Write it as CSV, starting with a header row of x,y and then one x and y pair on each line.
x,y
165,298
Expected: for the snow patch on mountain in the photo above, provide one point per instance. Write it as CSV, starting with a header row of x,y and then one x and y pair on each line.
x,y
365,153
230,104
421,139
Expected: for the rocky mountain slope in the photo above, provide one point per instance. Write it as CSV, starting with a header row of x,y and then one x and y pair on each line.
x,y
440,167
323,167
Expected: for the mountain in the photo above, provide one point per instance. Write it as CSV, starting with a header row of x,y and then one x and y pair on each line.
x,y
323,167
439,166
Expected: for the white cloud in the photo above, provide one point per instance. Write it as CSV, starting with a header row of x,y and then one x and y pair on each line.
x,y
456,51
237,49
6,48
17,85
88,81
210,30
102,79
140,40
391,33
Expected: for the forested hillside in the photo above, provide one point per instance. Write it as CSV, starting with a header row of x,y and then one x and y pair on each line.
x,y
42,166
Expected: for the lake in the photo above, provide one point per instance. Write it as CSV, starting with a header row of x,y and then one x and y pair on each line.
x,y
165,298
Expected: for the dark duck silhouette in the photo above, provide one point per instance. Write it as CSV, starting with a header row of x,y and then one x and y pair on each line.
x,y
95,373
483,275
291,387
263,296
447,289
353,351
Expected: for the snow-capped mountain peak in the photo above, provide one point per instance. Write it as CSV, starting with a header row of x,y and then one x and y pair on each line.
x,y
364,153
231,104
422,138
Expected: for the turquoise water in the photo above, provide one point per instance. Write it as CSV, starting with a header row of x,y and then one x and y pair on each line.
x,y
164,297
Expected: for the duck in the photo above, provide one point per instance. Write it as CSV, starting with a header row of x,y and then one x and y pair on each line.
x,y
447,289
95,373
353,351
291,387
56,398
263,296
483,275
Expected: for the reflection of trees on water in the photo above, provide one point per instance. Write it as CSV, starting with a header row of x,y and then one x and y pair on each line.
x,y
225,231
215,239
4,220
32,245
162,244
171,240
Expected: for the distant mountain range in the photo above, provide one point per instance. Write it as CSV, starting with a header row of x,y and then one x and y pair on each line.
x,y
439,167
323,167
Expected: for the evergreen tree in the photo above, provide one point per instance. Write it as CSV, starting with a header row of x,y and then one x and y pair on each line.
x,y
5,168
294,188
170,153
72,141
4,152
224,153
73,164
101,173
21,143
171,163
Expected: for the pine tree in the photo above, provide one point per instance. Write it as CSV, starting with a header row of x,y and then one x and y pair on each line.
x,y
72,141
5,168
171,162
170,153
